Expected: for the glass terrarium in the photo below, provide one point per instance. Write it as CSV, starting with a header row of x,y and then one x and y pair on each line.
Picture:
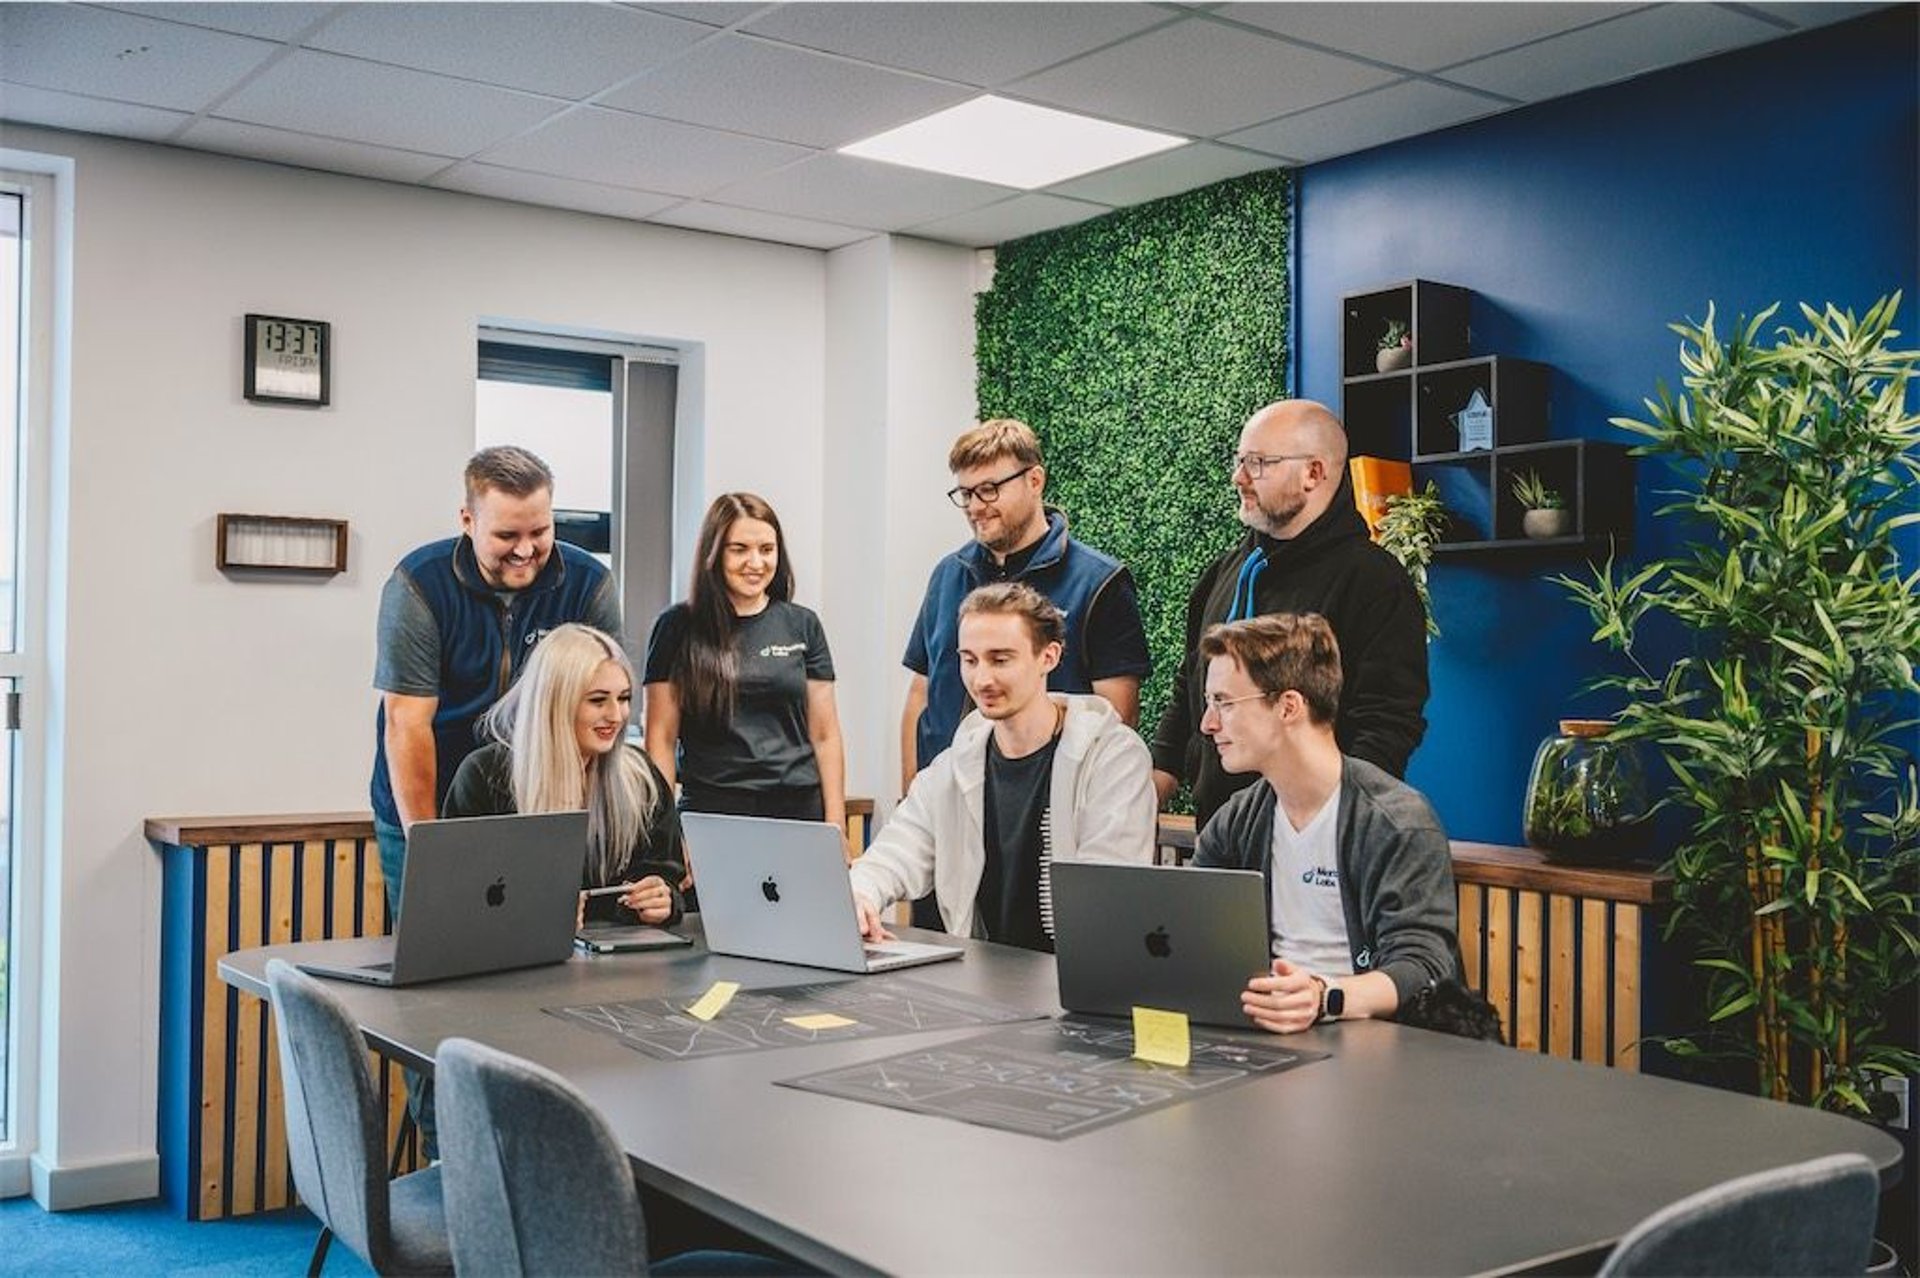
x,y
1587,798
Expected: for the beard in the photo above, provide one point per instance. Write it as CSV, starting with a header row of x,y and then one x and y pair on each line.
x,y
1271,517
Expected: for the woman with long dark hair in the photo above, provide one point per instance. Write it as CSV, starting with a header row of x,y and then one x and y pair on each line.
x,y
739,680
557,743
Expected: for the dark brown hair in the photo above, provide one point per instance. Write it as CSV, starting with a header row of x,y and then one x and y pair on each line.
x,y
707,675
1284,651
1045,623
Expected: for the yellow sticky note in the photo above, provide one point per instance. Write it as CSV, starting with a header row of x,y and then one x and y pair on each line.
x,y
713,1000
1161,1037
820,1021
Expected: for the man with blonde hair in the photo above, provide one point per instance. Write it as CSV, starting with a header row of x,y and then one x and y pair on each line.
x,y
1032,778
1305,549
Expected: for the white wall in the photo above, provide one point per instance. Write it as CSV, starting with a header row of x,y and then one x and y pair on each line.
x,y
188,693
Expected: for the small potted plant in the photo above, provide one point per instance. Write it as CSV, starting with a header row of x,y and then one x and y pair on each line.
x,y
1546,510
1396,347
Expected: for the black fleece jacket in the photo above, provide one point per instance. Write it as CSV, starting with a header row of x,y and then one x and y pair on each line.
x,y
1331,568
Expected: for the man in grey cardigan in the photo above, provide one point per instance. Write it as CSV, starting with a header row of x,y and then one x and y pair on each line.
x,y
1360,890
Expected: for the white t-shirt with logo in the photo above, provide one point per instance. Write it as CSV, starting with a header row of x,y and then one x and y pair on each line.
x,y
1309,923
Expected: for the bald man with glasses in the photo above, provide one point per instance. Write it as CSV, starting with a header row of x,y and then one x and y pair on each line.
x,y
1000,486
1305,549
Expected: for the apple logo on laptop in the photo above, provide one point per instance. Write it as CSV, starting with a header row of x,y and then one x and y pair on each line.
x,y
770,890
497,892
1157,943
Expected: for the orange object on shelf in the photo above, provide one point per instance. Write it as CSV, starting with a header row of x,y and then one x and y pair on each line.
x,y
1374,480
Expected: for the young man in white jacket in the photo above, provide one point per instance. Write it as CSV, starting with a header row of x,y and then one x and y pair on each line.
x,y
1031,778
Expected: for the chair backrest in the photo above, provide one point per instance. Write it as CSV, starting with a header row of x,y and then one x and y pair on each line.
x,y
333,1124
1811,1218
534,1181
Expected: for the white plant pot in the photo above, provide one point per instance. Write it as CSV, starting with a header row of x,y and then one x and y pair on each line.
x,y
1547,523
1392,358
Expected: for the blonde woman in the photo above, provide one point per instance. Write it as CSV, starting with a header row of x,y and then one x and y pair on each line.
x,y
558,744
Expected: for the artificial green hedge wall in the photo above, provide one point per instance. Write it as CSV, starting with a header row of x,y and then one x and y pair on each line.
x,y
1136,345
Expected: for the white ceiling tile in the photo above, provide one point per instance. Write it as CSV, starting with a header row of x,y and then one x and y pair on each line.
x,y
983,44
715,13
1010,220
276,21
569,50
1422,37
1169,173
25,105
283,147
1383,115
1615,50
122,56
1200,78
366,102
554,192
855,192
753,224
753,86
619,149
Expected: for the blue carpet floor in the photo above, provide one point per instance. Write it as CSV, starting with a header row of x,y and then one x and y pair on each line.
x,y
147,1238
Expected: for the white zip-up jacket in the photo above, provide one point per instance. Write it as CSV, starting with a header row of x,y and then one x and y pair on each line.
x,y
934,838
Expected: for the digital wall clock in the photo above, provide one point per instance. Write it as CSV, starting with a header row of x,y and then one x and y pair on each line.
x,y
288,360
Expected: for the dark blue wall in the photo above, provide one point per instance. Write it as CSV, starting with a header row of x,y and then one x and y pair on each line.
x,y
1584,226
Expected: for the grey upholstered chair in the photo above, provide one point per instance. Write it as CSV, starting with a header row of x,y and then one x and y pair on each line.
x,y
335,1133
1811,1218
536,1184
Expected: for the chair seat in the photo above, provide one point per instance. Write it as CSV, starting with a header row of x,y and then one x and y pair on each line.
x,y
419,1224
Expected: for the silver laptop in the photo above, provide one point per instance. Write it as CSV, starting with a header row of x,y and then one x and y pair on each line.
x,y
478,894
1178,939
778,890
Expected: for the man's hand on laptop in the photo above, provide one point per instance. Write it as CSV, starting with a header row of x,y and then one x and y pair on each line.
x,y
870,928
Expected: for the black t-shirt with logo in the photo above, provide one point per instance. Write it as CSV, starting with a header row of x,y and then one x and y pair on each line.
x,y
765,745
1013,811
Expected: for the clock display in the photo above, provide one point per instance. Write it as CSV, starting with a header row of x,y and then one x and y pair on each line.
x,y
287,360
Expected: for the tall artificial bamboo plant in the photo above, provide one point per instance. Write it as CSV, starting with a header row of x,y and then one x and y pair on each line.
x,y
1787,721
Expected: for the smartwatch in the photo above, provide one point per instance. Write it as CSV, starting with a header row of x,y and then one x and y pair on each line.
x,y
1333,1000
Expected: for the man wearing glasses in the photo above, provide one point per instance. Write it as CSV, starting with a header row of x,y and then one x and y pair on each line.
x,y
1306,549
1000,483
1360,891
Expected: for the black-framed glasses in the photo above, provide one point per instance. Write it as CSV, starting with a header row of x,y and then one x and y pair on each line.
x,y
1255,464
987,490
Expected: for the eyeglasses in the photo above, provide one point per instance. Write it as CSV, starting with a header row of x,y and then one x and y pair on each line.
x,y
1255,464
987,490
1217,705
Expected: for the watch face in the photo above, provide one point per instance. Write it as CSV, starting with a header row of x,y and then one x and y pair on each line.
x,y
1336,1000
286,360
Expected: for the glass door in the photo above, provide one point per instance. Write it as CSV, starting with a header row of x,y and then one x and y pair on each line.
x,y
12,395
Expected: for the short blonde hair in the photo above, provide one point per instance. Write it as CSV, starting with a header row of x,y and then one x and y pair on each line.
x,y
1045,622
992,440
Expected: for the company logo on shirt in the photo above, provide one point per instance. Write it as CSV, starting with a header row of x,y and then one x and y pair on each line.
x,y
782,649
1320,876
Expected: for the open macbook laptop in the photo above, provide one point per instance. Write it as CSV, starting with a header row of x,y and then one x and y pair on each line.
x,y
479,894
1182,940
778,890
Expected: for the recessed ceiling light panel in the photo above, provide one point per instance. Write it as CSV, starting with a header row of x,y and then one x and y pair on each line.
x,y
1011,143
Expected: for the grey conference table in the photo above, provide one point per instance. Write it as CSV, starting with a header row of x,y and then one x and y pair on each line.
x,y
1406,1152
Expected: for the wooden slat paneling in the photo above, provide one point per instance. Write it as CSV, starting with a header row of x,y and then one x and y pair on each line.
x,y
1472,931
1499,989
1595,962
1529,974
1626,986
282,927
1560,987
213,1036
243,1125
